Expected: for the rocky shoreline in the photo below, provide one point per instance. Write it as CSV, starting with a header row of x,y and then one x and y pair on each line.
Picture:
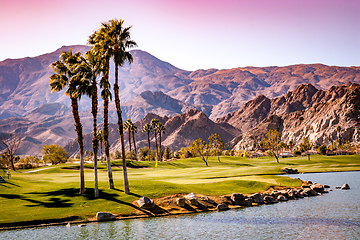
x,y
183,203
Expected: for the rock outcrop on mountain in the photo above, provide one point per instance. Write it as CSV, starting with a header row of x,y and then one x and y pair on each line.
x,y
317,123
304,96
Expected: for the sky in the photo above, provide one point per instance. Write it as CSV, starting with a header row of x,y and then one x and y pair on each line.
x,y
194,34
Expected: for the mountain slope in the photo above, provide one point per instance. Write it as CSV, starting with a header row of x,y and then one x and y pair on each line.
x,y
317,123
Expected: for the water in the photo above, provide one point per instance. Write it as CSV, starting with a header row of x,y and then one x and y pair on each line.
x,y
334,215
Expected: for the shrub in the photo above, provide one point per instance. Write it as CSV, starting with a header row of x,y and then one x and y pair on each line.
x,y
322,149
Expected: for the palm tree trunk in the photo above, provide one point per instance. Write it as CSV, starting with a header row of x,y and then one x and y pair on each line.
x,y
156,147
78,127
133,136
106,133
160,146
149,145
120,126
130,145
95,141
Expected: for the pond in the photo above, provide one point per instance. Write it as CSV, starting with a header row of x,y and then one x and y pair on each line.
x,y
335,215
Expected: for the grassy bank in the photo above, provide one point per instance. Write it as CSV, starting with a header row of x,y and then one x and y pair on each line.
x,y
52,195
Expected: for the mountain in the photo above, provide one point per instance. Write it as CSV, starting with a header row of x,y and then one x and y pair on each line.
x,y
304,96
24,82
317,123
180,131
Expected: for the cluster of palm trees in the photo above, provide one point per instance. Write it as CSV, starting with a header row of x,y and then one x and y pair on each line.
x,y
81,76
132,129
158,129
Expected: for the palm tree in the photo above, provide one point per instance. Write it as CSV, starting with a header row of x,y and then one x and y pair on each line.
x,y
159,128
64,76
148,129
99,136
90,68
127,126
338,129
133,131
100,43
153,123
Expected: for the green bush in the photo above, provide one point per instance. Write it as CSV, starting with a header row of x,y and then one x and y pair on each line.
x,y
322,149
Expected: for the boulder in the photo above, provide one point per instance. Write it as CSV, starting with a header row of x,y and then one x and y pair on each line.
x,y
257,198
180,202
222,207
305,186
238,199
282,198
270,200
145,202
248,202
317,187
345,186
207,199
192,198
310,192
104,216
326,186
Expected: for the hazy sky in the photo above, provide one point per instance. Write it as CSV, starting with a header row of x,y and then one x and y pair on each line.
x,y
194,34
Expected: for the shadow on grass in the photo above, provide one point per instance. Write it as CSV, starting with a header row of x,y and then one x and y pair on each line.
x,y
8,183
52,203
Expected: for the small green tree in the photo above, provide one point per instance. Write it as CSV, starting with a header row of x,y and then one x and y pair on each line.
x,y
216,143
306,145
322,149
271,141
54,154
167,153
200,147
117,154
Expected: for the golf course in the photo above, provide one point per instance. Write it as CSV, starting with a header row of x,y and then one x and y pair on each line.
x,y
51,194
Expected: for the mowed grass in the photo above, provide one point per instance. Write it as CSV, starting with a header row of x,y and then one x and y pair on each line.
x,y
51,194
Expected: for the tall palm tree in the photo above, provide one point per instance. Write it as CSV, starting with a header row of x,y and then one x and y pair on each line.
x,y
159,128
65,76
127,126
148,129
133,131
89,69
153,123
100,43
118,41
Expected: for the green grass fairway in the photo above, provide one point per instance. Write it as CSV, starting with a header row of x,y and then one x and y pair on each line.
x,y
51,194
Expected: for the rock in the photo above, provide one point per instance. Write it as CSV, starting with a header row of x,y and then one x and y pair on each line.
x,y
180,202
337,187
257,198
282,198
222,207
192,198
248,202
275,193
290,170
270,200
145,202
310,192
104,216
82,225
317,187
325,191
238,199
305,186
326,186
345,186
207,199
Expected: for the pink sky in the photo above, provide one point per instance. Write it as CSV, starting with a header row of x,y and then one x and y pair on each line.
x,y
194,34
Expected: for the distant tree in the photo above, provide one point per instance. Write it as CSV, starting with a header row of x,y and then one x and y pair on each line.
x,y
322,149
99,136
148,129
282,146
215,142
9,144
338,129
159,128
133,131
153,124
291,145
128,127
305,146
54,154
271,141
200,147
167,153
117,154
